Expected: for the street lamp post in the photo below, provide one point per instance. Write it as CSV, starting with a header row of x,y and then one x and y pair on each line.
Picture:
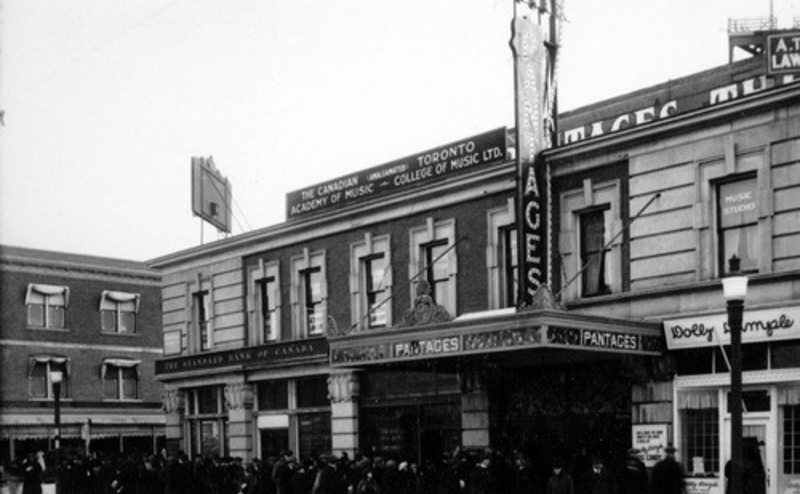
x,y
734,288
56,377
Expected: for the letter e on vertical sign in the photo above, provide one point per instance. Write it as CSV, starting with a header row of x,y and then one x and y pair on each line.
x,y
211,194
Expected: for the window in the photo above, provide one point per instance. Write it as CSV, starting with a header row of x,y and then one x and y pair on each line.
x,y
510,266
371,282
120,379
591,247
738,223
267,309
375,268
309,294
791,440
701,438
118,312
593,253
433,259
207,421
264,304
40,369
202,312
502,257
47,306
436,270
312,301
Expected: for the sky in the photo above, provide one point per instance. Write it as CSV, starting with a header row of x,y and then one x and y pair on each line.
x,y
105,102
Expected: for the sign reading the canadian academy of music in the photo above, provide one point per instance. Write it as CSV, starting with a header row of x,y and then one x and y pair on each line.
x,y
413,171
783,53
758,325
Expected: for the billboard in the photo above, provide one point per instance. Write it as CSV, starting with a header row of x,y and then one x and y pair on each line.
x,y
420,169
211,194
783,53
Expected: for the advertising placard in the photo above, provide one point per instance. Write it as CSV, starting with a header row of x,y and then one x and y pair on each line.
x,y
650,440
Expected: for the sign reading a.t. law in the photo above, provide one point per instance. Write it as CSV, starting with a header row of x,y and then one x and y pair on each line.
x,y
783,53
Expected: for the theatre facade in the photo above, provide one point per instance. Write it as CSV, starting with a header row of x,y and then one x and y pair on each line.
x,y
381,317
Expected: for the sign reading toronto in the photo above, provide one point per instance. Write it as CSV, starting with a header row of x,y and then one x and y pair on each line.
x,y
419,169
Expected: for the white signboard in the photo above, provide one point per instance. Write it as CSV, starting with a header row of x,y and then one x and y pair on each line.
x,y
703,485
711,330
650,440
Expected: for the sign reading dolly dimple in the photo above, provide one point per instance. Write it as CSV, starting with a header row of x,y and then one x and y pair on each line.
x,y
783,53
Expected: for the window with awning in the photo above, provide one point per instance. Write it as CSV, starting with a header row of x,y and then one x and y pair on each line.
x,y
47,305
120,378
118,311
40,369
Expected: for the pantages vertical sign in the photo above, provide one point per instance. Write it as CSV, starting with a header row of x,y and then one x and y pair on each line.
x,y
534,100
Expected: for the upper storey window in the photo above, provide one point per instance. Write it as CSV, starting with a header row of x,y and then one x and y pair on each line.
x,y
309,294
502,257
593,253
590,246
371,282
433,259
738,223
201,302
47,306
118,312
264,304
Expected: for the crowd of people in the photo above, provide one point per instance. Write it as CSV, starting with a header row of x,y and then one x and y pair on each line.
x,y
489,472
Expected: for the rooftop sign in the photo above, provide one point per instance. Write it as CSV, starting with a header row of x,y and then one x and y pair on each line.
x,y
783,53
664,101
413,171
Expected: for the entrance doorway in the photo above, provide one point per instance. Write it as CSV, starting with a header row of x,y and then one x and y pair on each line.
x,y
758,449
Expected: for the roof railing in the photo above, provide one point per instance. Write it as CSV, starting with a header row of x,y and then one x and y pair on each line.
x,y
753,24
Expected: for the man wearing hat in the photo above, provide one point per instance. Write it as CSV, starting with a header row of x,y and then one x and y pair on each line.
x,y
633,477
668,475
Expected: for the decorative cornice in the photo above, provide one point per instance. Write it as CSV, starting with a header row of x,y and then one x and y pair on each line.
x,y
75,270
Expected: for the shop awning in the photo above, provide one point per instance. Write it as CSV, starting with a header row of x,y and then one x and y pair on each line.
x,y
497,332
28,426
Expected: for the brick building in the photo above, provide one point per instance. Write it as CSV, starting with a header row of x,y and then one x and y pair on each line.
x,y
94,320
381,316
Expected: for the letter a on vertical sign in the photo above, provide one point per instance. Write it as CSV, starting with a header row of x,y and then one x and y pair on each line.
x,y
211,194
533,110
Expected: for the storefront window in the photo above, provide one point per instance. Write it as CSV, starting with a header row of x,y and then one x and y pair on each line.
x,y
314,433
312,392
207,420
273,395
701,440
784,354
791,440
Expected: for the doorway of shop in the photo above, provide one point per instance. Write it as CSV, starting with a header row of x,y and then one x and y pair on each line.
x,y
756,451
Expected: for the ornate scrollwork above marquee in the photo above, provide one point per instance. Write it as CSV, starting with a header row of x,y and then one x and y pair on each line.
x,y
425,310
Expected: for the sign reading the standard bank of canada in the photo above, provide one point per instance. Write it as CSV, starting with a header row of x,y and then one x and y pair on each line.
x,y
783,53
420,169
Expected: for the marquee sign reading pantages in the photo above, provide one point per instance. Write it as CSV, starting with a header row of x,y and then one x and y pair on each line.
x,y
713,330
413,171
435,346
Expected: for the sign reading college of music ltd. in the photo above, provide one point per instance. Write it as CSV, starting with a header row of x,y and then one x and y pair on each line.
x,y
757,326
413,171
783,53
265,354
